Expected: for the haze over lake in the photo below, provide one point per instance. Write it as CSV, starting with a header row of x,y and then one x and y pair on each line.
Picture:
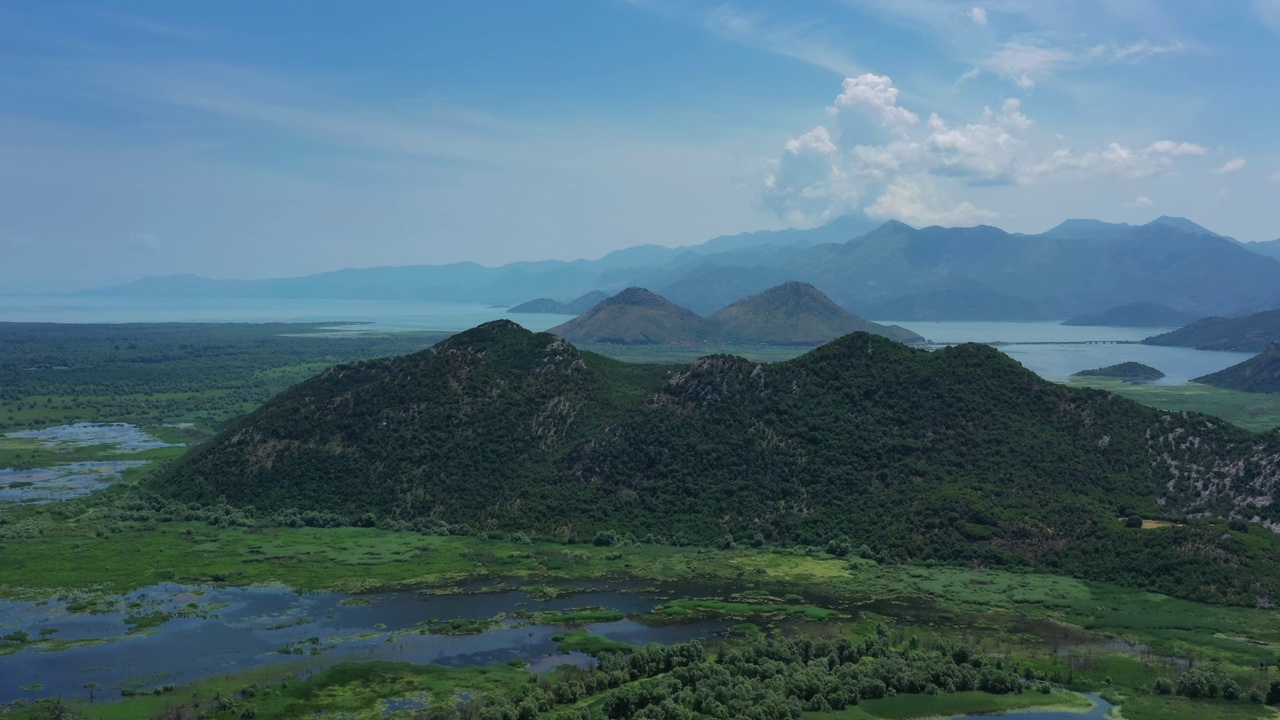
x,y
1052,361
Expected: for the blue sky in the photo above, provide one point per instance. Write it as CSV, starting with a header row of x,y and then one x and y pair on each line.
x,y
239,139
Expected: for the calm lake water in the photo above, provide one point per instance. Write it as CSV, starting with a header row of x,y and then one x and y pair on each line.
x,y
1059,361
385,314
225,630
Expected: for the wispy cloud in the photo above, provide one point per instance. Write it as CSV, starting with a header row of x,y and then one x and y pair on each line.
x,y
149,26
802,41
1231,166
197,95
1268,11
1028,60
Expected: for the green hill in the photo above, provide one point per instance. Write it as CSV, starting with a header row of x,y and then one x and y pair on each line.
x,y
1251,333
1260,373
959,455
796,313
1136,315
539,305
635,316
555,307
1124,371
585,303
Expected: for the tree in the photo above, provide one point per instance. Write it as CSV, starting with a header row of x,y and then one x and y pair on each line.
x,y
1133,521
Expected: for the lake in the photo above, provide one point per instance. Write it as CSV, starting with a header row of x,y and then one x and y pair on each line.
x,y
1058,362
387,315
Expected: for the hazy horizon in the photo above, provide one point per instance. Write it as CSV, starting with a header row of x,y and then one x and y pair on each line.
x,y
241,140
460,262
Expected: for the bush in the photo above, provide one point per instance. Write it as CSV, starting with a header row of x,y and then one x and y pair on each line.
x,y
1133,521
1238,526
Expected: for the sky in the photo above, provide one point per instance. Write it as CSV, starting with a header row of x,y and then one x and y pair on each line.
x,y
250,139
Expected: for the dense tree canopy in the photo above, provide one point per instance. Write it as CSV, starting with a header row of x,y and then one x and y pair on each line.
x,y
959,455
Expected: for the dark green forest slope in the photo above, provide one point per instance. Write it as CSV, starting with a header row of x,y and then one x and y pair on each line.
x,y
1251,333
1260,373
959,455
1124,371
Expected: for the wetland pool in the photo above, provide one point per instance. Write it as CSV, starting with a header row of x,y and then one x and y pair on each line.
x,y
64,481
176,634
1097,712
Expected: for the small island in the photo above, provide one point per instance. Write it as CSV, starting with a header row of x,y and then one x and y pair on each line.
x,y
1131,371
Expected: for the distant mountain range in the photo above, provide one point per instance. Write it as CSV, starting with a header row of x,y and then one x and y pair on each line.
x,y
1270,248
793,313
1136,315
891,271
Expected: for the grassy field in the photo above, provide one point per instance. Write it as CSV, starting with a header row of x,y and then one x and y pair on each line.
x,y
1259,412
1088,633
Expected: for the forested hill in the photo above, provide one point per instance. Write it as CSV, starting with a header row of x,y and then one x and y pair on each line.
x,y
1260,373
1251,333
959,455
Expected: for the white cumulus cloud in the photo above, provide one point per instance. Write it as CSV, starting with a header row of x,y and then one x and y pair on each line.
x,y
807,184
1142,202
876,93
1230,166
978,15
915,168
916,201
